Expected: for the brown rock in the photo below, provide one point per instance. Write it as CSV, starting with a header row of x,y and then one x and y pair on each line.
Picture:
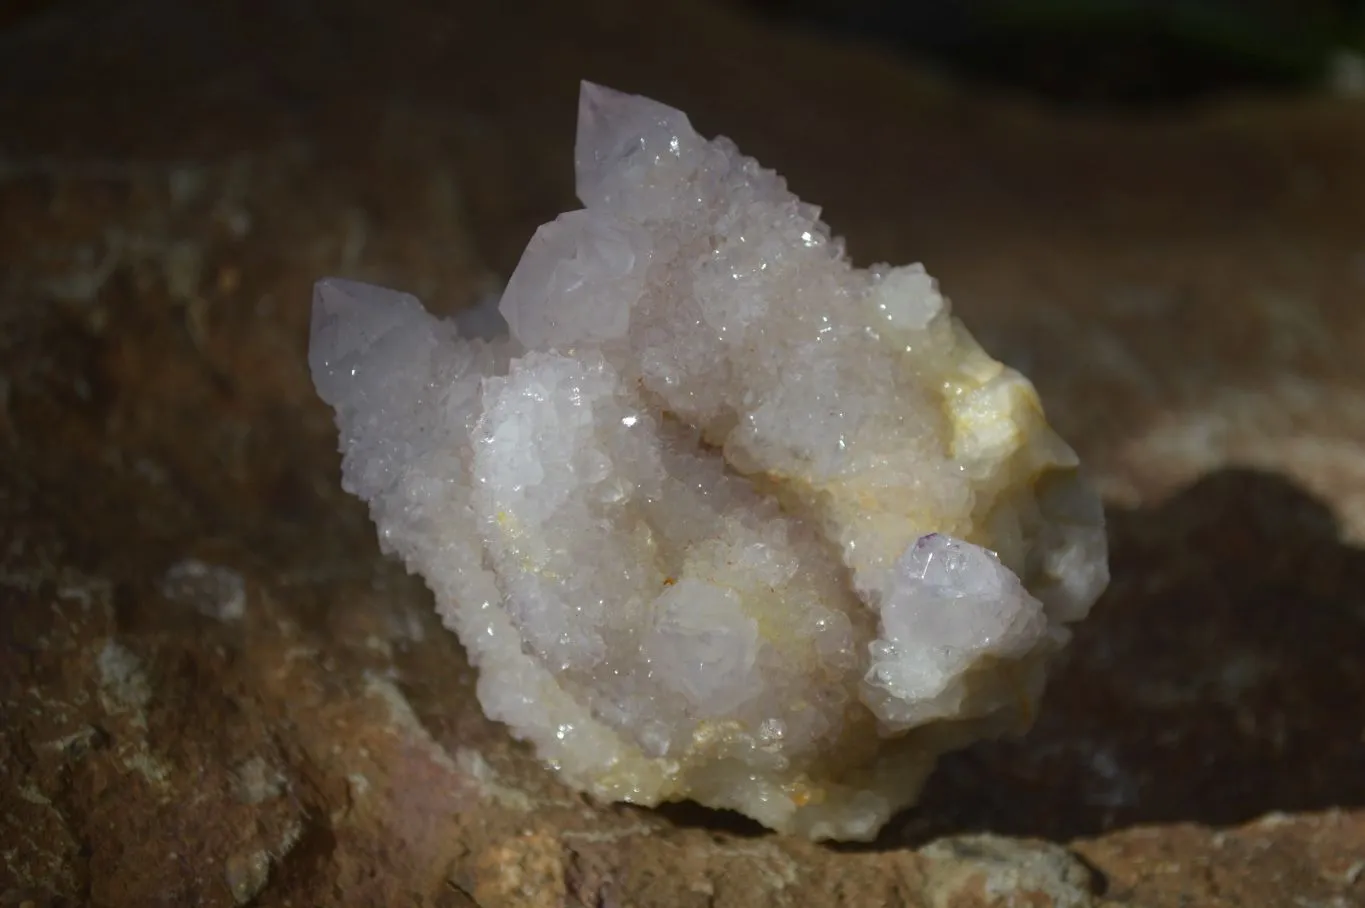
x,y
214,690
982,870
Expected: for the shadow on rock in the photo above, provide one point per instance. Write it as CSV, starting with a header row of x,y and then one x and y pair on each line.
x,y
1221,677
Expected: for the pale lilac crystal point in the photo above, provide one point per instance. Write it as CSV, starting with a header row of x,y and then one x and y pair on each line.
x,y
349,318
619,137
577,281
723,517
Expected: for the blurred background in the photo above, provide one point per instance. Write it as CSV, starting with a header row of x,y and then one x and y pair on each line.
x,y
1154,208
1143,53
1127,52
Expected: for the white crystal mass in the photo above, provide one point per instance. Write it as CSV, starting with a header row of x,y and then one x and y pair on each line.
x,y
723,518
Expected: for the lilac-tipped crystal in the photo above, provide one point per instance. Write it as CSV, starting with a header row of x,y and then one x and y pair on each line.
x,y
721,516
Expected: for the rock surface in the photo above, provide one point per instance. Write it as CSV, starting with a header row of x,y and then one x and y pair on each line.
x,y
214,690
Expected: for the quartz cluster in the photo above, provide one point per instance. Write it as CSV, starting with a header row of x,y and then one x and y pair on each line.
x,y
720,517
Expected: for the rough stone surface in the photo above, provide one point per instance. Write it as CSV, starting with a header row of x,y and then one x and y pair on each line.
x,y
165,204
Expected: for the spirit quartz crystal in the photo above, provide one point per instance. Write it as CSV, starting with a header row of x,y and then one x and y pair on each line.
x,y
720,516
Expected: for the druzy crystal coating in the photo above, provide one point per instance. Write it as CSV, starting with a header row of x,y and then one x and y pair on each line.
x,y
720,516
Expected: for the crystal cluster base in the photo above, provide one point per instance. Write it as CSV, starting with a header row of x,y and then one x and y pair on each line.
x,y
720,516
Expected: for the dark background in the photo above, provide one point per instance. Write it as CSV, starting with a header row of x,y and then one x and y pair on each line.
x,y
1157,210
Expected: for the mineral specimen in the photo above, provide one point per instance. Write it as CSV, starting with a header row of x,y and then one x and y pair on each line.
x,y
724,517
